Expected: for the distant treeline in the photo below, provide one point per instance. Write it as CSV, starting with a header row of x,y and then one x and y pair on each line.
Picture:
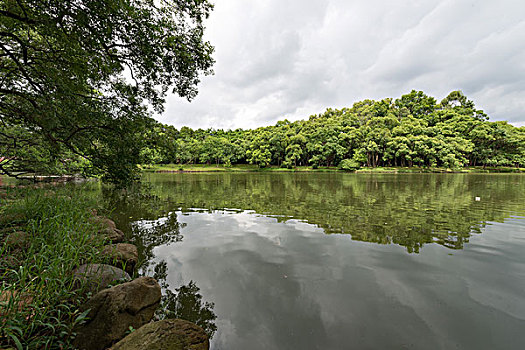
x,y
414,130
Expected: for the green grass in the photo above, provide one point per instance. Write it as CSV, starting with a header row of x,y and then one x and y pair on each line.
x,y
198,168
195,168
403,170
466,170
60,237
255,168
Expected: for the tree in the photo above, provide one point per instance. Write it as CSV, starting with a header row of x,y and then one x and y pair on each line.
x,y
259,150
295,149
411,131
83,77
417,104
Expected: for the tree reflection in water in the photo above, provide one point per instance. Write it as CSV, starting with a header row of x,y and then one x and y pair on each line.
x,y
148,234
150,221
184,302
410,210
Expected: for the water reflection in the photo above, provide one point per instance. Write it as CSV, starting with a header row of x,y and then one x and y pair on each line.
x,y
287,285
149,224
283,274
144,217
184,302
148,234
409,209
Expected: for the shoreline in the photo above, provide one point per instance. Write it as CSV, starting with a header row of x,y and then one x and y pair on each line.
x,y
388,170
7,181
40,287
74,299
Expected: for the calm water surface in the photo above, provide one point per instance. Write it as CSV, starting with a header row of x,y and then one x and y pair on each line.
x,y
337,261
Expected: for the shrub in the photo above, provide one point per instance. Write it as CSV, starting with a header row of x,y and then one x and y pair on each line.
x,y
349,165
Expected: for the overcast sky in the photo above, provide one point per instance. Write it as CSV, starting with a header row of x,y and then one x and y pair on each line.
x,y
290,59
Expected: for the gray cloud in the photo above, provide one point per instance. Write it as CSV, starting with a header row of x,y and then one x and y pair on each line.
x,y
290,59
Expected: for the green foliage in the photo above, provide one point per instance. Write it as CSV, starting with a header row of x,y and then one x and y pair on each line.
x,y
412,131
64,94
59,239
349,165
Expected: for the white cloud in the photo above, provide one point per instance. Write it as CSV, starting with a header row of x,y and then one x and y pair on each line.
x,y
290,59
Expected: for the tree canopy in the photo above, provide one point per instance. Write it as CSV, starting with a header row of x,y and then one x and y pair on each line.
x,y
413,130
79,79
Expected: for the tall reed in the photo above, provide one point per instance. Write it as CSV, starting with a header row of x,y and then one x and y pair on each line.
x,y
40,302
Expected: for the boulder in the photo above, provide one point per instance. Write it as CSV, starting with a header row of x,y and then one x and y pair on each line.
x,y
99,276
113,311
108,229
103,221
122,255
172,334
112,234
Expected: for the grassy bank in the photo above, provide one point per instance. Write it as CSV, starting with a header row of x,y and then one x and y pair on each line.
x,y
198,168
45,233
195,168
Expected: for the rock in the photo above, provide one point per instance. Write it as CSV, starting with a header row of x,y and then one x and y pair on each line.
x,y
108,229
13,301
114,310
105,222
114,235
17,239
99,276
172,334
123,255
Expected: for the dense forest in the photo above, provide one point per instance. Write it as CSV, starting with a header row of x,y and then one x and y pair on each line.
x,y
414,130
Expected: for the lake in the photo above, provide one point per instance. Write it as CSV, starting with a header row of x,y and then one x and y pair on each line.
x,y
337,261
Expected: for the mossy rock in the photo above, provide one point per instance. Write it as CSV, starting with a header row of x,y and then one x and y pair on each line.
x,y
122,255
108,229
173,334
113,311
99,276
